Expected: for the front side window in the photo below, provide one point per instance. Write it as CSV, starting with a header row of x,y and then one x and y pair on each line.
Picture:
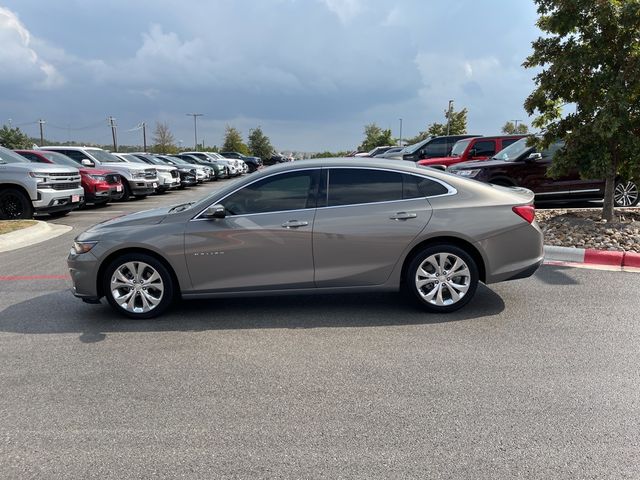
x,y
287,191
436,148
351,186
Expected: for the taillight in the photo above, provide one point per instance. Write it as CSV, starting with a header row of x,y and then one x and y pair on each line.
x,y
528,212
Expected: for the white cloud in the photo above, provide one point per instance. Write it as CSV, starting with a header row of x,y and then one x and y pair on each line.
x,y
20,62
344,9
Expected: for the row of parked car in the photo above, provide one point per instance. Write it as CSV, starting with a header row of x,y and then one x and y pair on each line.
x,y
58,179
508,160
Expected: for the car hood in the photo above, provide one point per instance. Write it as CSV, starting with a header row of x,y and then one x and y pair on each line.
x,y
95,171
146,217
40,167
436,160
126,166
478,164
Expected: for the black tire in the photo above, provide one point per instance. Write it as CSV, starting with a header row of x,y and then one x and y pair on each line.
x,y
442,280
626,194
140,197
15,205
167,282
126,195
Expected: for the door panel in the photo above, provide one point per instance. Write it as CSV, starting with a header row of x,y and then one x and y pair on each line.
x,y
359,245
251,251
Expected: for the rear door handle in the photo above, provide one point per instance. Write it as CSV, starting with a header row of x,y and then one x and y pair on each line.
x,y
295,224
403,216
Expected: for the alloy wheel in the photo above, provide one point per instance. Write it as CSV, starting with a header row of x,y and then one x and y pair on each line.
x,y
443,279
11,207
137,287
626,194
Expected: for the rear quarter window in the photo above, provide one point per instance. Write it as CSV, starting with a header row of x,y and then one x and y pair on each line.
x,y
414,186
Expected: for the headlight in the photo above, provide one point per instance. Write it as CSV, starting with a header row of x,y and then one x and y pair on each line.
x,y
139,174
83,247
100,178
467,173
40,177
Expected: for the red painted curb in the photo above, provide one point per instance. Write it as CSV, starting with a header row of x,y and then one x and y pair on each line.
x,y
603,257
631,259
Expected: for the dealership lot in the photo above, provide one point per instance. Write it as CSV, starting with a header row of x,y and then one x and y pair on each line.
x,y
535,378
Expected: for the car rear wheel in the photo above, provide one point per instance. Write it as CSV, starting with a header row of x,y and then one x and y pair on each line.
x,y
442,278
14,205
138,286
626,194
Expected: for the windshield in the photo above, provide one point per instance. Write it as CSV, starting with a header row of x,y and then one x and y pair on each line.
x,y
131,158
104,157
179,160
459,147
415,146
59,159
7,156
513,151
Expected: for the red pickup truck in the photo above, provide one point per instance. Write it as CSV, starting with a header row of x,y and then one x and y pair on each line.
x,y
476,148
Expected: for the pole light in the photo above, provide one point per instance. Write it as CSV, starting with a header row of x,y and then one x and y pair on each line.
x,y
449,116
400,143
195,128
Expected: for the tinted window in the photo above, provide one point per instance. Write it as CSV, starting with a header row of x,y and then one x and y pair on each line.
x,y
417,187
485,148
549,153
509,141
437,148
74,155
32,157
59,158
350,186
288,191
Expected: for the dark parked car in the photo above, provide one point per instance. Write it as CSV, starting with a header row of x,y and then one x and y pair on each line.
x,y
188,175
317,226
522,166
432,147
99,185
254,163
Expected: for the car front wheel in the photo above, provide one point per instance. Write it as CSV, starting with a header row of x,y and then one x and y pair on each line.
x,y
626,194
138,286
442,278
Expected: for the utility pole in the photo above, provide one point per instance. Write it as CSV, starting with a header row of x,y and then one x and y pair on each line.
x,y
195,128
449,116
112,122
144,135
400,143
41,123
515,123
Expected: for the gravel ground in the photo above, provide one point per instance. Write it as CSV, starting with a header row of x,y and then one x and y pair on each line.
x,y
584,228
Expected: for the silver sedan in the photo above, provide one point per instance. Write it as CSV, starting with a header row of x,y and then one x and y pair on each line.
x,y
318,226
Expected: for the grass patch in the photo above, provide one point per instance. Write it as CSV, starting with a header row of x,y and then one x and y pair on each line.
x,y
7,226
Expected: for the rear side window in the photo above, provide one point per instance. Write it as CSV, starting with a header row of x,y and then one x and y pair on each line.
x,y
509,141
418,187
485,148
352,186
74,154
32,157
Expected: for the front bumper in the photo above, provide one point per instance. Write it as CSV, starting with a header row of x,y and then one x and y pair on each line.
x,y
83,269
143,186
50,200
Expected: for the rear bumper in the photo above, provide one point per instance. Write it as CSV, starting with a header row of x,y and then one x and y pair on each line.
x,y
514,254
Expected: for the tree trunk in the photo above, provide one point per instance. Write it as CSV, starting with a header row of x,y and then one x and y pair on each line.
x,y
609,189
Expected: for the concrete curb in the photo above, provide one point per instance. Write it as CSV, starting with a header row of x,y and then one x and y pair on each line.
x,y
37,233
591,256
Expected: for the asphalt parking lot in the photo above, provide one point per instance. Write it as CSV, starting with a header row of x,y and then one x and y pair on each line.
x,y
536,378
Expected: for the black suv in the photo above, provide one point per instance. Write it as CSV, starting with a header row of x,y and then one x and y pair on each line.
x,y
253,163
432,147
520,165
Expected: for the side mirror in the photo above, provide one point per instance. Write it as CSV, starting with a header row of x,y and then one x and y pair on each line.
x,y
215,211
533,157
87,163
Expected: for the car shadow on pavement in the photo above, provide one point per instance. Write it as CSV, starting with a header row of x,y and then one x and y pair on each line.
x,y
556,275
94,322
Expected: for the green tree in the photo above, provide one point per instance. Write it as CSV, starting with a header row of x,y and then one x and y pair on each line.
x,y
233,141
590,57
510,128
375,137
455,121
259,144
163,140
14,138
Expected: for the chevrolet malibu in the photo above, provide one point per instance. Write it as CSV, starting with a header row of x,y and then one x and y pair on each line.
x,y
318,226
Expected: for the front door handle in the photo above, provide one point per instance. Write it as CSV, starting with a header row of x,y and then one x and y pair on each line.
x,y
295,224
403,216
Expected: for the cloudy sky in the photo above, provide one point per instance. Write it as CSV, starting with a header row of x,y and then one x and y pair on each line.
x,y
311,73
